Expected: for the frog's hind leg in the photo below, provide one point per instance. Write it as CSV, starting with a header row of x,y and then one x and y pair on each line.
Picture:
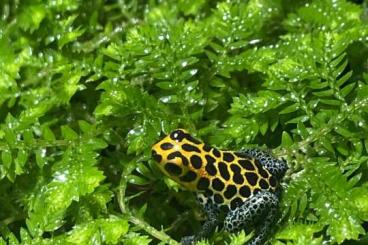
x,y
209,225
275,166
258,211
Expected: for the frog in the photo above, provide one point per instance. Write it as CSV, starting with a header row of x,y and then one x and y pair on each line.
x,y
238,190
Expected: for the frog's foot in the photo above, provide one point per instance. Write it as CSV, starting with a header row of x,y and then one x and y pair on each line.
x,y
259,211
188,240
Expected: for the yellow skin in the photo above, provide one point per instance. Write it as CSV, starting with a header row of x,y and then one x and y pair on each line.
x,y
223,180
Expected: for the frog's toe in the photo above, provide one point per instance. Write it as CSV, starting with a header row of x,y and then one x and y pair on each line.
x,y
188,240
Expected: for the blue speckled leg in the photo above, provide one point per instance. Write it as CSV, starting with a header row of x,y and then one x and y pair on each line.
x,y
209,225
259,211
275,166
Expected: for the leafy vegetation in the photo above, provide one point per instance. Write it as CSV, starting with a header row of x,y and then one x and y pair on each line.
x,y
86,87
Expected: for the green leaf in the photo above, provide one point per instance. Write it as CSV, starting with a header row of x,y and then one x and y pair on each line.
x,y
103,231
290,108
6,158
48,134
347,89
31,16
344,78
327,145
286,139
343,132
73,176
136,239
68,133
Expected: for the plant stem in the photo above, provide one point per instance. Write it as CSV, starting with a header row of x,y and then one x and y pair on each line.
x,y
162,236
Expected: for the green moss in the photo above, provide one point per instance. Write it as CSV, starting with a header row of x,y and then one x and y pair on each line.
x,y
86,87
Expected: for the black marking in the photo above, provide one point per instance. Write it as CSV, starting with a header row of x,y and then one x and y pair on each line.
x,y
172,168
263,172
184,161
178,154
156,156
224,208
256,190
196,161
177,135
228,157
189,176
217,184
224,171
207,148
230,191
208,193
235,168
252,178
258,163
189,147
174,154
241,154
218,198
263,184
244,191
238,178
273,181
191,139
210,166
245,163
236,202
203,183
166,146
216,152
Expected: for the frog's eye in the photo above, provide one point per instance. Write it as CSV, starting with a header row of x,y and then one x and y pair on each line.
x,y
177,135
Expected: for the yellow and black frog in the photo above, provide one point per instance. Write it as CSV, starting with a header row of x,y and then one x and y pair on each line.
x,y
243,185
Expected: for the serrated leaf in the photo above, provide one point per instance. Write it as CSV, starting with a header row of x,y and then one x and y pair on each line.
x,y
103,231
73,176
136,239
31,16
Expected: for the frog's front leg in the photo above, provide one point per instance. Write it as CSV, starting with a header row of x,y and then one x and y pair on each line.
x,y
209,225
258,211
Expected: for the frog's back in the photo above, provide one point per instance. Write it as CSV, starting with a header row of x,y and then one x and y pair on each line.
x,y
227,178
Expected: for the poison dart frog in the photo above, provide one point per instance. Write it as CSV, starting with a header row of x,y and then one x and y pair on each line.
x,y
241,187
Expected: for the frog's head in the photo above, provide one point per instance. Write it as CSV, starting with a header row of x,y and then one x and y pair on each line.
x,y
174,155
